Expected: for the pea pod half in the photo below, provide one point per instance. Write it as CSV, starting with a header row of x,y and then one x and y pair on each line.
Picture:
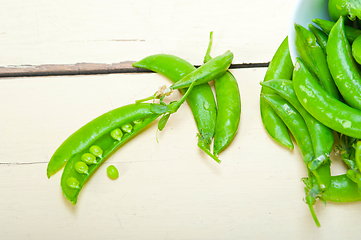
x,y
84,137
73,180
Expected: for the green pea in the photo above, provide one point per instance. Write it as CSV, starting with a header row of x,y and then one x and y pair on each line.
x,y
89,158
96,150
116,134
127,128
72,183
81,168
137,121
112,172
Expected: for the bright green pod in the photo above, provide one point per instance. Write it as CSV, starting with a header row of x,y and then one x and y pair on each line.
x,y
109,145
280,67
229,111
356,49
315,59
342,189
322,106
326,26
320,35
200,100
298,127
346,8
84,137
294,122
228,107
343,67
322,137
207,72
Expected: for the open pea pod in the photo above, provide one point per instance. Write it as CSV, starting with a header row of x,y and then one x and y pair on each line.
x,y
84,137
76,173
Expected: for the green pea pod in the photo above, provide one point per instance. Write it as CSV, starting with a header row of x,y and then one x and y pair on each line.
x,y
92,131
294,122
342,189
105,142
228,105
320,35
343,67
347,8
315,59
206,72
229,111
322,137
280,67
326,26
299,130
200,100
322,106
298,127
356,50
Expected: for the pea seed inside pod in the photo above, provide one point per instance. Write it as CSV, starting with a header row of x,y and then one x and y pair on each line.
x,y
96,150
137,121
72,183
88,158
127,128
81,168
116,134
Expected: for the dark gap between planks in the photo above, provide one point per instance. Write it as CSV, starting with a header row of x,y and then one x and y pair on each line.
x,y
88,69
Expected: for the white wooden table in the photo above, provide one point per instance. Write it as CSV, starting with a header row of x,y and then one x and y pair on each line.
x,y
166,190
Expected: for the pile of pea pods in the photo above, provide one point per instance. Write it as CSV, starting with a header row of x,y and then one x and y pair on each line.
x,y
217,119
318,101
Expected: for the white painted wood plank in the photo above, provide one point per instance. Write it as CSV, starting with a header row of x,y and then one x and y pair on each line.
x,y
109,31
166,190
